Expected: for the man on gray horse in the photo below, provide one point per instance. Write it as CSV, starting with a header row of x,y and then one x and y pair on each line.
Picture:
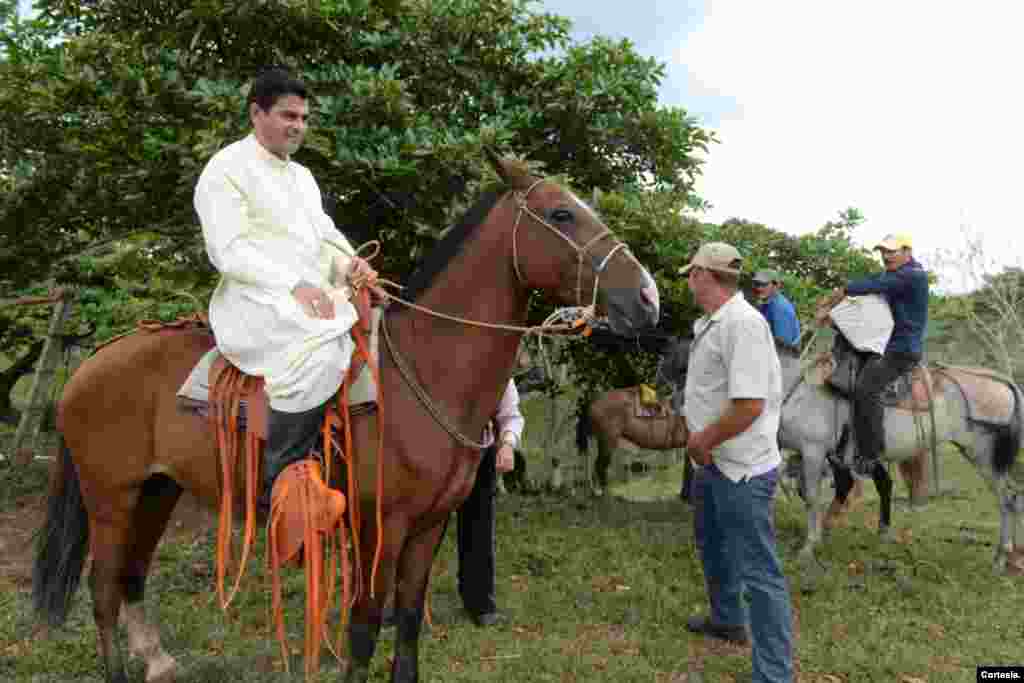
x,y
282,309
904,285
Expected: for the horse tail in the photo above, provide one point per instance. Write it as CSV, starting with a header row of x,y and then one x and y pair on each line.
x,y
584,428
1008,437
62,543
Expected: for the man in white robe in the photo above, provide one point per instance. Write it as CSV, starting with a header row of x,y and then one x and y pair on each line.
x,y
282,308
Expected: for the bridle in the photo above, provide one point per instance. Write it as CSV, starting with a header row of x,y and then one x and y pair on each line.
x,y
520,198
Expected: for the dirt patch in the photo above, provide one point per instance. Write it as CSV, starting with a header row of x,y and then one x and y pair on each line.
x,y
20,519
18,523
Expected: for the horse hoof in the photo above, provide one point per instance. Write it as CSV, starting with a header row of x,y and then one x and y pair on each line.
x,y
999,565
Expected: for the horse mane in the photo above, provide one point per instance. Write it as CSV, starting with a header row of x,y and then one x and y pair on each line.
x,y
450,245
515,175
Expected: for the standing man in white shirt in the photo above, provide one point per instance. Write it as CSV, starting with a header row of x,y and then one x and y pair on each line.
x,y
282,308
732,401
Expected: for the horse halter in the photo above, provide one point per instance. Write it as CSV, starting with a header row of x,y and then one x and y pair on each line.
x,y
520,199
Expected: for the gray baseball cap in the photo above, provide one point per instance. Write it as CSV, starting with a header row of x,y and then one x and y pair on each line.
x,y
719,256
767,276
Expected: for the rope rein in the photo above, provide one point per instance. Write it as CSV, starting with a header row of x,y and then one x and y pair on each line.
x,y
545,328
580,314
421,393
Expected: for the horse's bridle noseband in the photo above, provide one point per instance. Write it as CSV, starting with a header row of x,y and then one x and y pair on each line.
x,y
520,199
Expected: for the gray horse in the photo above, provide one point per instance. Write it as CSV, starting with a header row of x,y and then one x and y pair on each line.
x,y
975,409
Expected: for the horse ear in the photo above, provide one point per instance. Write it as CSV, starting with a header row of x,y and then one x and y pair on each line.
x,y
497,162
513,172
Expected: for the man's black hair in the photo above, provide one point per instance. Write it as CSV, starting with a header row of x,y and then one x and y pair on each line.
x,y
274,83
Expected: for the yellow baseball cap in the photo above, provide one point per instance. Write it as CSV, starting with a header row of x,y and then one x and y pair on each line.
x,y
896,241
716,256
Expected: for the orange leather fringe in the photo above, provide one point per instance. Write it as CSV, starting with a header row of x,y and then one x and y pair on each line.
x,y
307,529
360,335
228,389
340,421
292,521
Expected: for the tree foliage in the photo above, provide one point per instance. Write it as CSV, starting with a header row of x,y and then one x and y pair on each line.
x,y
980,321
120,117
110,108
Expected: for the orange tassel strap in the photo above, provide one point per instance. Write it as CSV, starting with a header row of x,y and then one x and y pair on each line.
x,y
307,530
234,447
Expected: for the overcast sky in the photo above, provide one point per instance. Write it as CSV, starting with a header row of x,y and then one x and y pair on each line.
x,y
909,110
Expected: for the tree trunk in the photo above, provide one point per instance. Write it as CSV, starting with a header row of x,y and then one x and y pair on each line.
x,y
10,377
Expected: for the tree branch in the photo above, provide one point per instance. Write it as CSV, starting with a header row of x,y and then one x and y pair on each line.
x,y
51,298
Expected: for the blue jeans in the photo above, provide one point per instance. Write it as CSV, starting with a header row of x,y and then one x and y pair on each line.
x,y
735,534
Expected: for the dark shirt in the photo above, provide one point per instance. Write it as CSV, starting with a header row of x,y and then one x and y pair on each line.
x,y
781,317
906,291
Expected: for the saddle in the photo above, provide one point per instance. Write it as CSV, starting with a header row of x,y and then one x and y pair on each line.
x,y
246,400
647,403
910,391
914,391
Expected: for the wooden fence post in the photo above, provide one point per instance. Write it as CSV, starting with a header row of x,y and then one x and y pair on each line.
x,y
32,419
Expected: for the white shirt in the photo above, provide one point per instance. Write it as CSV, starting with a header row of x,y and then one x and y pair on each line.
x,y
266,231
736,359
510,420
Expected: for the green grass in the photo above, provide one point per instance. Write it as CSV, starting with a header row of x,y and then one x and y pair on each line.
x,y
599,590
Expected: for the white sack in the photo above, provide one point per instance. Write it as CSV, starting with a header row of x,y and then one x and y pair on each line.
x,y
866,321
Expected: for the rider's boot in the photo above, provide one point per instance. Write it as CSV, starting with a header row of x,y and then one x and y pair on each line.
x,y
290,437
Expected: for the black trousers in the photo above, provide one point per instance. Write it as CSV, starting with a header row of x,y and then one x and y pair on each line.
x,y
868,411
290,438
476,539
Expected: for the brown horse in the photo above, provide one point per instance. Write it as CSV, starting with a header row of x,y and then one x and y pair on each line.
x,y
614,417
130,452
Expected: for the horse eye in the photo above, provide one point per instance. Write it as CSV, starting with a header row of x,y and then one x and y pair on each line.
x,y
560,216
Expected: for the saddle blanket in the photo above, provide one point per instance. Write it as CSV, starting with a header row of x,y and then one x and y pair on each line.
x,y
195,392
